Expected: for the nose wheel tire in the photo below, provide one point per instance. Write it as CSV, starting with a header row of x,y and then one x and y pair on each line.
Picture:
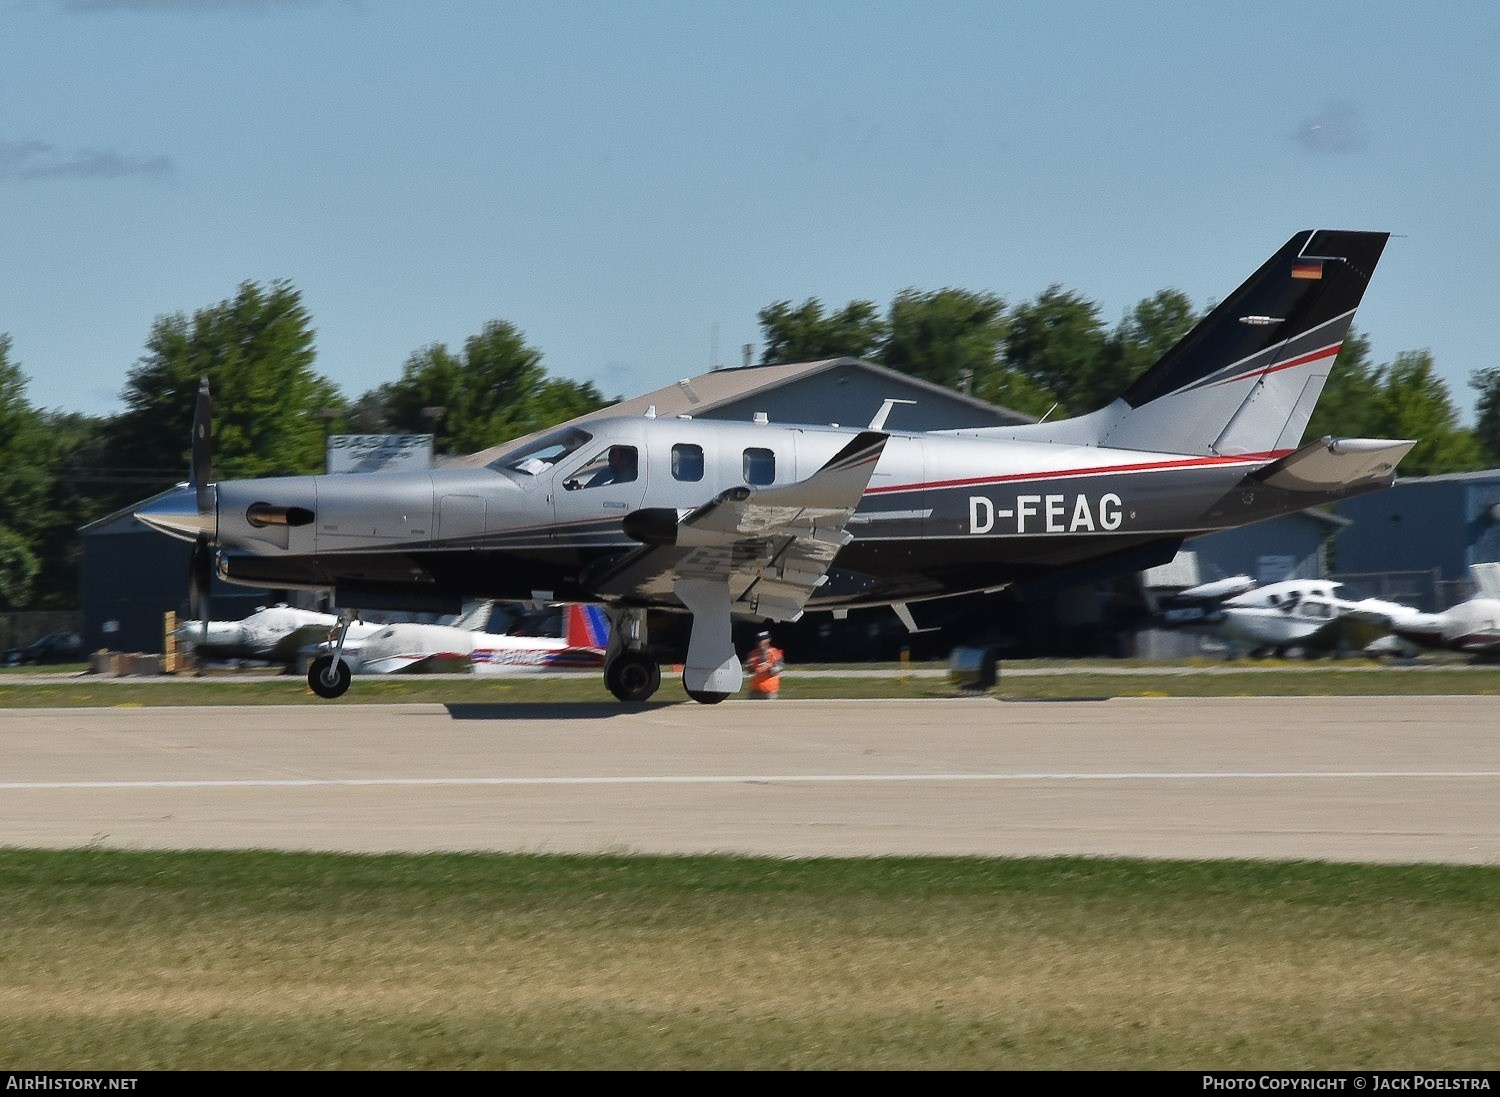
x,y
632,676
327,679
705,697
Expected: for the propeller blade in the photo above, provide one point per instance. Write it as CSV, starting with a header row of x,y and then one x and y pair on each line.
x,y
200,572
203,448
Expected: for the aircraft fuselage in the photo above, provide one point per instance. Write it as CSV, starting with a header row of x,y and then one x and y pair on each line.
x,y
944,513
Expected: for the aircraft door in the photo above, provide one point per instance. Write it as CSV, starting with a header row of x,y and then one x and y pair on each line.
x,y
592,496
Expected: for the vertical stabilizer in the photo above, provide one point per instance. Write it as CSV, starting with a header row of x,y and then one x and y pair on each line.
x,y
1246,378
586,627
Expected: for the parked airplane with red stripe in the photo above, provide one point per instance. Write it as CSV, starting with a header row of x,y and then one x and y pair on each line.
x,y
418,648
721,520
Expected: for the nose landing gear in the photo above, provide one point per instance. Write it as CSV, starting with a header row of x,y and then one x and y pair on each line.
x,y
329,676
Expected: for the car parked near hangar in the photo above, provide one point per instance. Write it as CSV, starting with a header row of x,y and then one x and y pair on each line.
x,y
55,647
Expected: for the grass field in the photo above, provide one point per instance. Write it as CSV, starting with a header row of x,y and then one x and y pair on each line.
x,y
138,961
124,960
1021,680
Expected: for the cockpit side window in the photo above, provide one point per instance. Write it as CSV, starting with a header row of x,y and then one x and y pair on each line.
x,y
616,465
543,453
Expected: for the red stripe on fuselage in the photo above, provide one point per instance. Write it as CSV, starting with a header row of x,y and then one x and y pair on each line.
x,y
1060,474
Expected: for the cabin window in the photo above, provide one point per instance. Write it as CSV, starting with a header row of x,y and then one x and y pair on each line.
x,y
760,466
687,462
616,465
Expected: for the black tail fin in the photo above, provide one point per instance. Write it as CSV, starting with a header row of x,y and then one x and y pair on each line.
x,y
1246,378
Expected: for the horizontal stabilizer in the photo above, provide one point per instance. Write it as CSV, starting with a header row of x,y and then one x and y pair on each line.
x,y
1328,464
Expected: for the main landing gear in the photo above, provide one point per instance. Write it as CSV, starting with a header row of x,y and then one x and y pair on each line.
x,y
712,671
633,675
329,676
631,672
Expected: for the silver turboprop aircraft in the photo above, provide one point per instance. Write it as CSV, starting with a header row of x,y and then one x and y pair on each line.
x,y
767,521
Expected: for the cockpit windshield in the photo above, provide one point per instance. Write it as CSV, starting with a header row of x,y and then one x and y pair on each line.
x,y
542,454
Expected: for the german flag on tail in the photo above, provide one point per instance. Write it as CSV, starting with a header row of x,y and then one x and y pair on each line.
x,y
1310,269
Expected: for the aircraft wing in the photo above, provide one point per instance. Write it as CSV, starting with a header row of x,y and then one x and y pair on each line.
x,y
773,546
286,648
437,662
1352,630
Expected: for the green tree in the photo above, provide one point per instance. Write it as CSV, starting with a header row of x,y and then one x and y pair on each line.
x,y
804,334
1057,343
1012,389
1146,332
23,483
497,389
1414,403
257,351
18,568
950,337
82,487
1487,414
1349,406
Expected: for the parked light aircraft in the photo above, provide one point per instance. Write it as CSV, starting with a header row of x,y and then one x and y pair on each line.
x,y
1471,627
460,647
1308,615
272,633
757,520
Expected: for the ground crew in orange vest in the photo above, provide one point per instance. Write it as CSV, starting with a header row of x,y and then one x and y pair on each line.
x,y
764,667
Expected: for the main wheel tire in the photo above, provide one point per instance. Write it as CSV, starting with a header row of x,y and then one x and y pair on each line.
x,y
704,696
336,684
633,676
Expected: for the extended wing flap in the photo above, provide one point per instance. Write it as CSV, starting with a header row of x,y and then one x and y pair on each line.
x,y
773,546
1331,463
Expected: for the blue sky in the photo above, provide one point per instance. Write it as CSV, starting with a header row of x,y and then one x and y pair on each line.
x,y
630,183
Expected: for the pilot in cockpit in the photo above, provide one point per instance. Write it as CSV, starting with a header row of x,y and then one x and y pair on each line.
x,y
617,466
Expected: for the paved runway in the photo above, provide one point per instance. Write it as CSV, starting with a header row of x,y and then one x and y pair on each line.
x,y
1394,779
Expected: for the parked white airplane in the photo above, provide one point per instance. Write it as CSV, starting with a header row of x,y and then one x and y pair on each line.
x,y
272,633
1310,615
1471,627
460,647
